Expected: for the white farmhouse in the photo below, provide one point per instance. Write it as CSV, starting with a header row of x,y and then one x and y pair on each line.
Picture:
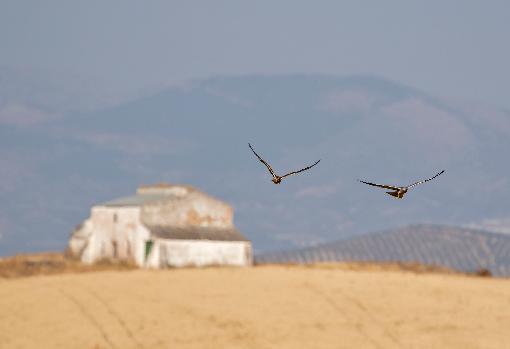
x,y
162,226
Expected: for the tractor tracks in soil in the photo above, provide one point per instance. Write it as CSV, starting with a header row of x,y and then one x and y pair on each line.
x,y
81,296
357,310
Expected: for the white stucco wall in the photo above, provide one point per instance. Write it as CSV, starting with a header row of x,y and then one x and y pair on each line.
x,y
118,233
119,230
181,253
113,233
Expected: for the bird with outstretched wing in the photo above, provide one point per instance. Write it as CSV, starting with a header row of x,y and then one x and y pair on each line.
x,y
277,179
399,192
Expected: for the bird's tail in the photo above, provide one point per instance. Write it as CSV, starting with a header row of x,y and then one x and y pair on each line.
x,y
395,194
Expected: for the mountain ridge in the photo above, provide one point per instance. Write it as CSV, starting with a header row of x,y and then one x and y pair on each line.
x,y
197,133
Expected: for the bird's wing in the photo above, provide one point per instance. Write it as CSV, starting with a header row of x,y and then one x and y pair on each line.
x,y
380,185
303,169
425,180
262,161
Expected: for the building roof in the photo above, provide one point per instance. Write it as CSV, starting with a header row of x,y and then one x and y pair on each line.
x,y
196,233
134,200
153,193
176,190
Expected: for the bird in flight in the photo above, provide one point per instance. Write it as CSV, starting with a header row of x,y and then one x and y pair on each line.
x,y
277,179
399,192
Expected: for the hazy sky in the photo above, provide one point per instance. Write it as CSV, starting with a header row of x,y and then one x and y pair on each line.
x,y
449,48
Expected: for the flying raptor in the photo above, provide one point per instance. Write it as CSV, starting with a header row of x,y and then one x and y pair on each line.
x,y
277,179
399,192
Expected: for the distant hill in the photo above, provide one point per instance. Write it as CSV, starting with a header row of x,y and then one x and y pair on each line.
x,y
53,170
32,96
461,249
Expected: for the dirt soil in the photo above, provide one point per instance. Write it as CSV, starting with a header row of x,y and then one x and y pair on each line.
x,y
260,307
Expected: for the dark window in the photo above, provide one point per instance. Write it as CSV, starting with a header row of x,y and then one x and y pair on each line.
x,y
148,248
115,249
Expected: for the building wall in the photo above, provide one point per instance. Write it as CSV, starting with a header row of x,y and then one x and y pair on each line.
x,y
111,233
120,232
192,209
181,253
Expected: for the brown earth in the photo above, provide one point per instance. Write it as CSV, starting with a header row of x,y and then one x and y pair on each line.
x,y
261,307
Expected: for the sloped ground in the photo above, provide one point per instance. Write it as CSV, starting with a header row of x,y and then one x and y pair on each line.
x,y
261,307
455,248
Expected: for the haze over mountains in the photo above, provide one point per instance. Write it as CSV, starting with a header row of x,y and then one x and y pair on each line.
x,y
53,170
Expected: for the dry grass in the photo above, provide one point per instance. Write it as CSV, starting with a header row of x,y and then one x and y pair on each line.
x,y
52,263
24,265
324,306
384,266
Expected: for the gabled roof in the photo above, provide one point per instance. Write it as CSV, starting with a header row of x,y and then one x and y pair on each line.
x,y
196,233
147,194
134,200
